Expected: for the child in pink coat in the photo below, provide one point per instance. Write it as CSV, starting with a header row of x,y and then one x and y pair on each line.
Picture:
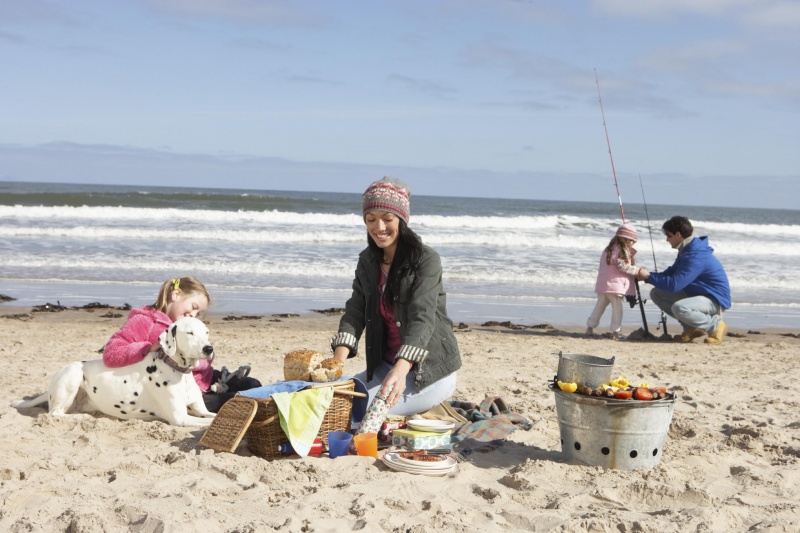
x,y
614,279
136,338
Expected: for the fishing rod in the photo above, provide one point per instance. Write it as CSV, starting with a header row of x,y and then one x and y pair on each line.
x,y
653,248
619,197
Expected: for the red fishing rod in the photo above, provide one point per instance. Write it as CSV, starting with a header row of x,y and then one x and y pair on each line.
x,y
619,197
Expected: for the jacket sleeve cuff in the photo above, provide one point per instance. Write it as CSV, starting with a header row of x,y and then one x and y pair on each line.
x,y
412,353
345,339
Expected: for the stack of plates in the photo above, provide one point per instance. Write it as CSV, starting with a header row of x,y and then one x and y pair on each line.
x,y
426,468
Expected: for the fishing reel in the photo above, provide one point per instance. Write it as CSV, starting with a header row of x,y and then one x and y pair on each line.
x,y
632,300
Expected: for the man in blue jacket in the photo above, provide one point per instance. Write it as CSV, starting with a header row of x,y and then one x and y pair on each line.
x,y
695,289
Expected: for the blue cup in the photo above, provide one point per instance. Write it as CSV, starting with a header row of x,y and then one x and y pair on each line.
x,y
339,443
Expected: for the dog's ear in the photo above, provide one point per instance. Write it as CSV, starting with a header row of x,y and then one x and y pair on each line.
x,y
167,340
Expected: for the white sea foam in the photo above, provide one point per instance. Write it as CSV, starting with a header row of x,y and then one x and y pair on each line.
x,y
485,256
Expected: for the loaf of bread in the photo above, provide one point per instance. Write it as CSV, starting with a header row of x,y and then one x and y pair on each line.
x,y
329,370
299,364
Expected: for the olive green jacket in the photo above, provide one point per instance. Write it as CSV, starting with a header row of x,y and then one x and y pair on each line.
x,y
420,311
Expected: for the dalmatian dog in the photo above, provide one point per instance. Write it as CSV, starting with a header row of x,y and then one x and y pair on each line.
x,y
160,387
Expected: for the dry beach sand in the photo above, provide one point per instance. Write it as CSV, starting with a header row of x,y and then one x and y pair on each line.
x,y
730,463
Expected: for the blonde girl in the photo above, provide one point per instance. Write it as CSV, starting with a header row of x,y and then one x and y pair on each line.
x,y
138,336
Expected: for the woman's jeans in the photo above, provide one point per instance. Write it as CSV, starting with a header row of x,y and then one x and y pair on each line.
x,y
691,311
412,401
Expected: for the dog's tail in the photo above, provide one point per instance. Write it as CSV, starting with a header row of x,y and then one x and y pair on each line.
x,y
33,402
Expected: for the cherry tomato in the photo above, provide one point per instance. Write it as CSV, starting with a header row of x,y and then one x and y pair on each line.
x,y
640,393
623,394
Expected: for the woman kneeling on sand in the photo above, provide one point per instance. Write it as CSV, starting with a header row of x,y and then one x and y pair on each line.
x,y
411,351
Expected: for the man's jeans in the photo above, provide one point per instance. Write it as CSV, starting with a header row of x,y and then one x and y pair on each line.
x,y
691,311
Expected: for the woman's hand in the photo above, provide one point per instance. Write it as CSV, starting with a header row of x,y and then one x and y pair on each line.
x,y
341,353
395,382
155,347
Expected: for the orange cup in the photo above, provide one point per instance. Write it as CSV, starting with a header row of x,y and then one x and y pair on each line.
x,y
367,444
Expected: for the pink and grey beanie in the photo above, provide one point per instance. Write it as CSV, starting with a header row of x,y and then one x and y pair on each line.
x,y
387,194
627,231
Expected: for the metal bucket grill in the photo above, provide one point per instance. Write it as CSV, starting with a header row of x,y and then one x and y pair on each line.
x,y
618,434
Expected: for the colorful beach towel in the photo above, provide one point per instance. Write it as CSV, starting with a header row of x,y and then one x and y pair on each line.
x,y
490,423
301,415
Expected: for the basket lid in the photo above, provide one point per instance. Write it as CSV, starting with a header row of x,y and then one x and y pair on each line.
x,y
231,423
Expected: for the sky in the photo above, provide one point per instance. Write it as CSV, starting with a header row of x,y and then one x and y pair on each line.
x,y
484,98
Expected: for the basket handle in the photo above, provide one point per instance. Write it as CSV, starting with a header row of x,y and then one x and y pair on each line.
x,y
272,419
350,393
269,420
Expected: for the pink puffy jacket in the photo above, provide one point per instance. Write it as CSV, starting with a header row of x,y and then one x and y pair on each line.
x,y
132,343
609,278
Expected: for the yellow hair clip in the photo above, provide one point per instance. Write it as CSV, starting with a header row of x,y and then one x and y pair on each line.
x,y
176,283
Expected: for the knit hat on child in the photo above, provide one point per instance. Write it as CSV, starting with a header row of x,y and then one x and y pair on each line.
x,y
387,194
627,231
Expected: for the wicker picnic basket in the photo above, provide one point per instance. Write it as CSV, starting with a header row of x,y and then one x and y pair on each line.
x,y
257,419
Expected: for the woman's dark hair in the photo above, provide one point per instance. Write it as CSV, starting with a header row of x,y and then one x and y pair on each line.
x,y
678,224
408,252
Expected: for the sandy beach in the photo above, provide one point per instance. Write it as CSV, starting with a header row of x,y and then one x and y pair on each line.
x,y
730,462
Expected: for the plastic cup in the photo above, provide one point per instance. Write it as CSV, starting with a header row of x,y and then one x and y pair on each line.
x,y
367,444
339,443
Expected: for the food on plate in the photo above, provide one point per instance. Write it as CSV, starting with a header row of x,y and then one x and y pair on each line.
x,y
423,456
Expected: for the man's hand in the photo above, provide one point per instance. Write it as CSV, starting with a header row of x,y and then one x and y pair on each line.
x,y
643,274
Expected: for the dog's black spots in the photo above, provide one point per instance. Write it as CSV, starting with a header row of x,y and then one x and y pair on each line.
x,y
152,413
166,383
158,384
84,378
117,406
136,394
123,412
124,380
151,369
94,390
132,403
142,410
150,378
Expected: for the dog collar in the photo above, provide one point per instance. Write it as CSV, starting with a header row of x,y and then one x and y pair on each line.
x,y
171,363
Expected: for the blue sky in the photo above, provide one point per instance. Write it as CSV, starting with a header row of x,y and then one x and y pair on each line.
x,y
457,97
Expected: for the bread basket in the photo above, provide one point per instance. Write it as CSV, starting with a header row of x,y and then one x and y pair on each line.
x,y
257,420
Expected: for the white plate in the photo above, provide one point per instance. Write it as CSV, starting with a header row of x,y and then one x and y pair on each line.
x,y
445,464
434,426
391,460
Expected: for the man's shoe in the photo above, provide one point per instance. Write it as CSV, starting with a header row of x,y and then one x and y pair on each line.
x,y
689,335
716,336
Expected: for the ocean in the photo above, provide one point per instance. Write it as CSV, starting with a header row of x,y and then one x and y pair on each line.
x,y
261,252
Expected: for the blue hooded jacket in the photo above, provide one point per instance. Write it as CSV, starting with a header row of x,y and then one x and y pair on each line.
x,y
697,272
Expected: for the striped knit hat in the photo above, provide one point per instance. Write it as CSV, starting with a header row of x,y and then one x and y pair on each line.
x,y
387,194
627,231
